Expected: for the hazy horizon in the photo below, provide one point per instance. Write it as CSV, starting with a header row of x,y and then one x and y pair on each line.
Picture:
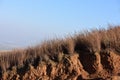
x,y
26,22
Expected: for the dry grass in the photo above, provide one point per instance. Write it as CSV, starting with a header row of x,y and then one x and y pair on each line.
x,y
90,41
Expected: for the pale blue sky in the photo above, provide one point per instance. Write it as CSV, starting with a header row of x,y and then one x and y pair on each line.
x,y
25,22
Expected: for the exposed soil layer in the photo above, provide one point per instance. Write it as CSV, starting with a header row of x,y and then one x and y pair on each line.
x,y
77,66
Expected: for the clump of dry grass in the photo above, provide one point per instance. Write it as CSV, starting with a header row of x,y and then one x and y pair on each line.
x,y
97,40
110,39
90,42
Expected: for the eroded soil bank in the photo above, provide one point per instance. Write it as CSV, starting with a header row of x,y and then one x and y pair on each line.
x,y
77,66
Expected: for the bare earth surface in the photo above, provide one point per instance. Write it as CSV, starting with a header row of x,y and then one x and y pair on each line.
x,y
77,66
